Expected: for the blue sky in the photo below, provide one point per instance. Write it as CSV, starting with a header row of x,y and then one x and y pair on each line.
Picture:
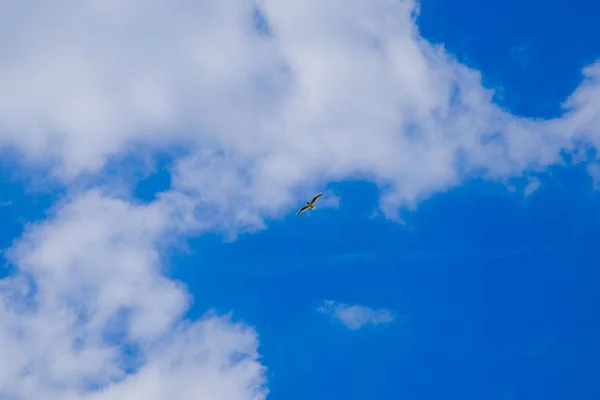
x,y
484,288
495,294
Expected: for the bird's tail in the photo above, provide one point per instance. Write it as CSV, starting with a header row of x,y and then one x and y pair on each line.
x,y
313,207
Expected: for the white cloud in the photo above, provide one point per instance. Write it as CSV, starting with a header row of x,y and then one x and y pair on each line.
x,y
89,281
533,185
329,200
337,90
594,172
356,316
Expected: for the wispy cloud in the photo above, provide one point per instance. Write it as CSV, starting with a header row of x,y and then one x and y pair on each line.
x,y
594,172
533,185
356,316
329,200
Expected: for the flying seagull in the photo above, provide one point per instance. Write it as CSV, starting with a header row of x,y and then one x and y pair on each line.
x,y
310,205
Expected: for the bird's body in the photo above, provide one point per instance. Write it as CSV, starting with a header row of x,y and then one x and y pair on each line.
x,y
310,204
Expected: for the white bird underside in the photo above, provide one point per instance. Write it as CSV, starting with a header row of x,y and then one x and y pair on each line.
x,y
310,204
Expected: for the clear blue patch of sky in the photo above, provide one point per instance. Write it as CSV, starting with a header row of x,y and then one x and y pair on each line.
x,y
147,169
25,197
155,182
532,51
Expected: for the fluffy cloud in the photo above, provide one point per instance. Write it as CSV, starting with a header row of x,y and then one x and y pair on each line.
x,y
356,316
326,91
90,315
331,91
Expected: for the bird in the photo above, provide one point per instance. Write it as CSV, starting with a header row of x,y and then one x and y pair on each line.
x,y
310,204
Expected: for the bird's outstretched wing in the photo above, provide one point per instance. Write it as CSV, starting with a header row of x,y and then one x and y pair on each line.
x,y
314,200
300,211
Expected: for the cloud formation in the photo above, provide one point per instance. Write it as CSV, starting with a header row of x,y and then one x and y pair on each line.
x,y
325,91
356,316
331,91
89,314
